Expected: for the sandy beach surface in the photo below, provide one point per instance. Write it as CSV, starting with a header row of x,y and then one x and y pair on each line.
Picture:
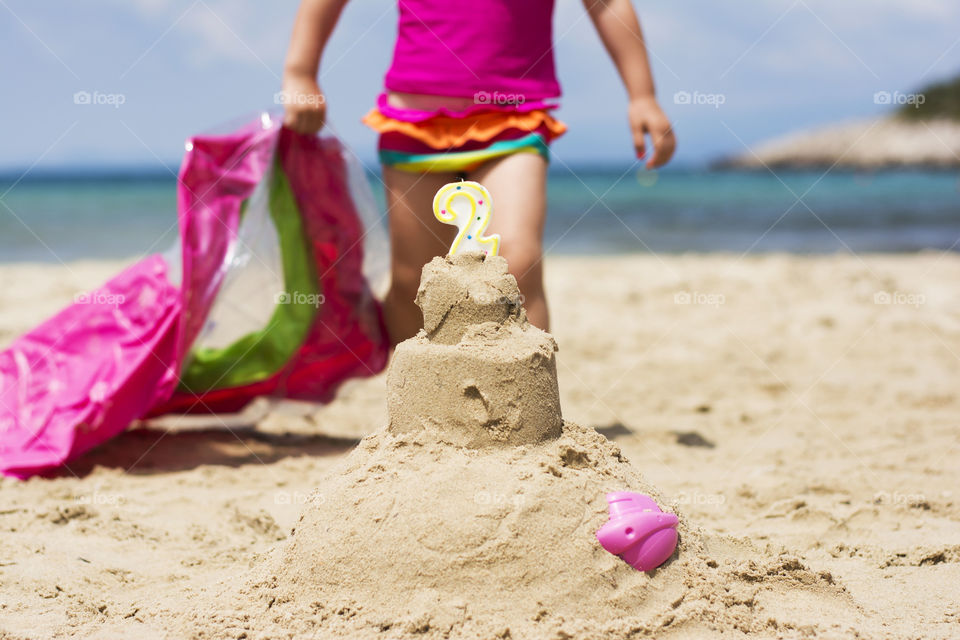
x,y
799,413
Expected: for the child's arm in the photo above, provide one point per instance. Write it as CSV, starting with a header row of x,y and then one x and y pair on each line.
x,y
304,104
616,22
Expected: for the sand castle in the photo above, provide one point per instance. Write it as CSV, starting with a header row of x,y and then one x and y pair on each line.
x,y
478,505
478,374
474,513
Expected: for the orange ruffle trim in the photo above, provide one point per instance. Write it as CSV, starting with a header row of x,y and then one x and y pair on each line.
x,y
444,132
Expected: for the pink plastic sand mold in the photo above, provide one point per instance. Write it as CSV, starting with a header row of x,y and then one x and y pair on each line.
x,y
638,531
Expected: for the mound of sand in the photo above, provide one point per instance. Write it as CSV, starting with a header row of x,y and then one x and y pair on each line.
x,y
473,514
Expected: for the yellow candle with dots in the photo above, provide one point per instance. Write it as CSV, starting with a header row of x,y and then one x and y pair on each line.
x,y
468,206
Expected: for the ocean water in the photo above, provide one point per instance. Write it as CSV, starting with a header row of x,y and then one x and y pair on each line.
x,y
591,211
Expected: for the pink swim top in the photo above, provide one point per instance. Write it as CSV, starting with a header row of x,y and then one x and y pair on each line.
x,y
496,51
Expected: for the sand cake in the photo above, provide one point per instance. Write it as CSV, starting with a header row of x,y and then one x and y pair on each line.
x,y
473,513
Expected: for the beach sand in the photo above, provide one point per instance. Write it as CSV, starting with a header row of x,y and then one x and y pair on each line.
x,y
799,413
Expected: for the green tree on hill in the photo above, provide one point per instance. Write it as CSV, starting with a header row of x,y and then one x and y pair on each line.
x,y
941,100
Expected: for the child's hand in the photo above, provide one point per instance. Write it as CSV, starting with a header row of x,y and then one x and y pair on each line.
x,y
647,118
305,106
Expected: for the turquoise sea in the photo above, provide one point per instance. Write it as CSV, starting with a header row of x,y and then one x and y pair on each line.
x,y
47,217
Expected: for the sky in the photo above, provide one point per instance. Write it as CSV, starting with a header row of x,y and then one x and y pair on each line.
x,y
729,75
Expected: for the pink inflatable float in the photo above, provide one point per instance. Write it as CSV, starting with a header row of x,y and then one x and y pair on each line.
x,y
267,293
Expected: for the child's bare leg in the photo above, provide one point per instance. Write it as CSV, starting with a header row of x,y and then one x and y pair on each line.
x,y
415,237
518,184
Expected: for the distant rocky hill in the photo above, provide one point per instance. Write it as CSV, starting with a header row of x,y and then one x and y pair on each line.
x,y
924,131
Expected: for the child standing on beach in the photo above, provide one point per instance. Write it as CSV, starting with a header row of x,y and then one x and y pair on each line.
x,y
469,95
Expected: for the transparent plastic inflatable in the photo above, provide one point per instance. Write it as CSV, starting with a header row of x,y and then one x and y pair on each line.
x,y
269,292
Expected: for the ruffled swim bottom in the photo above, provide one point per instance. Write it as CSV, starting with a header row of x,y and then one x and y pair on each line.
x,y
443,143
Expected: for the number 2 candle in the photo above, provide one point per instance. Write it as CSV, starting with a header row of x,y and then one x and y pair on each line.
x,y
468,206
